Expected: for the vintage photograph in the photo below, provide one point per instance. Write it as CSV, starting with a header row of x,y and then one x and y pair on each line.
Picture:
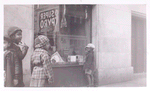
x,y
75,45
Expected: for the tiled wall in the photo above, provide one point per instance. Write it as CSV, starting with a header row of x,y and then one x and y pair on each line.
x,y
22,17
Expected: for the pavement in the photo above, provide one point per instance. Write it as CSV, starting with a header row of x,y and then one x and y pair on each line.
x,y
138,80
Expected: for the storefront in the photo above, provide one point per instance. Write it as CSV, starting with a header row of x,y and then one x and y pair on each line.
x,y
68,28
71,27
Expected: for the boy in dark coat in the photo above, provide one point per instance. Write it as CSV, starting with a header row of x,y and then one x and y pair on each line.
x,y
89,63
15,35
10,64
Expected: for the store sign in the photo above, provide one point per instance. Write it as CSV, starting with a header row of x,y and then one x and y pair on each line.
x,y
48,18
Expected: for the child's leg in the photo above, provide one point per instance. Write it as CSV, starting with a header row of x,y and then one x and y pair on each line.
x,y
33,83
41,83
92,80
89,79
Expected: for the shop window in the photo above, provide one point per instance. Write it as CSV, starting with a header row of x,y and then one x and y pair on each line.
x,y
75,36
73,29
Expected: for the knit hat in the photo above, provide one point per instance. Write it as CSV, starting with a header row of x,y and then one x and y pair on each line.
x,y
13,30
90,45
40,41
7,38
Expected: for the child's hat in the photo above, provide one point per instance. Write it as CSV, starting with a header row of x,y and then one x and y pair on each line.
x,y
7,38
13,30
90,45
40,41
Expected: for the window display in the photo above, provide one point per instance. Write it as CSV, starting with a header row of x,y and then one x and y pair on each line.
x,y
68,28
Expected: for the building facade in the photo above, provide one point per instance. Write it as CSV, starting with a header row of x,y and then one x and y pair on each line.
x,y
117,31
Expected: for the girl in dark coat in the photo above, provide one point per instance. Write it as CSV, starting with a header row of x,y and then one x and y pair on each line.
x,y
10,64
89,63
15,35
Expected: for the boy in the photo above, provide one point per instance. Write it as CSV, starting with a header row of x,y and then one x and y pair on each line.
x,y
10,64
40,63
89,63
15,34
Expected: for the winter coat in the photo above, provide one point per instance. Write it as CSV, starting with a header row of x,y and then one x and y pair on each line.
x,y
20,70
41,68
90,62
11,67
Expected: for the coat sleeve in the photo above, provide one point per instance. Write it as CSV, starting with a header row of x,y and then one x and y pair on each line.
x,y
48,68
6,59
32,65
5,63
9,71
90,60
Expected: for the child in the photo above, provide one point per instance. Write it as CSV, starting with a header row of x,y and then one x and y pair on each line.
x,y
15,34
40,62
89,63
10,64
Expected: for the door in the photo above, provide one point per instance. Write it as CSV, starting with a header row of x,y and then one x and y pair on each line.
x,y
138,44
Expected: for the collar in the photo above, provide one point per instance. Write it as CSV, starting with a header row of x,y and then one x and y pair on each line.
x,y
15,44
41,50
89,52
5,51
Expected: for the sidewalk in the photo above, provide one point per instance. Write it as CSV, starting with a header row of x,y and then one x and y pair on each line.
x,y
139,80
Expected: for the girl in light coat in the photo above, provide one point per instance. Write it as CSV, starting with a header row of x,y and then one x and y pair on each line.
x,y
41,68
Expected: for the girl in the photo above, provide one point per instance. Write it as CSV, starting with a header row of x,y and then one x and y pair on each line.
x,y
89,63
15,35
10,64
40,63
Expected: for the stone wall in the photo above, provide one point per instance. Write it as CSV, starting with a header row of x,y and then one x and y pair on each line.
x,y
111,33
111,30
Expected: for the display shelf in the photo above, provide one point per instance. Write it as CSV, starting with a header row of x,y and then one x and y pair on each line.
x,y
66,64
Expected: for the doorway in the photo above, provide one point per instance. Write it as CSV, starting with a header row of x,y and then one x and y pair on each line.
x,y
138,43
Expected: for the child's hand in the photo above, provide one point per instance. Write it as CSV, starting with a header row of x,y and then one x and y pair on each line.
x,y
50,81
15,82
88,71
25,47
